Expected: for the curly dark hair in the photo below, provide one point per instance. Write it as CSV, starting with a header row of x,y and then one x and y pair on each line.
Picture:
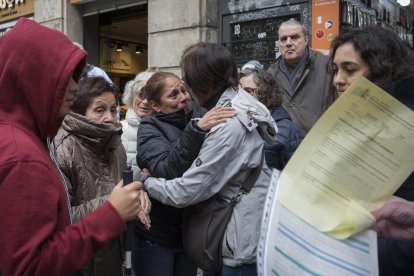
x,y
90,88
387,56
268,91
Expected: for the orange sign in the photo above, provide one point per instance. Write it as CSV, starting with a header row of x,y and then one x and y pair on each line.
x,y
325,24
12,9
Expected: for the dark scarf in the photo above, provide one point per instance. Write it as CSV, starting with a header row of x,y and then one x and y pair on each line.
x,y
178,118
294,74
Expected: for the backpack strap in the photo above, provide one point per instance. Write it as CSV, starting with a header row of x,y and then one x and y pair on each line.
x,y
248,183
251,179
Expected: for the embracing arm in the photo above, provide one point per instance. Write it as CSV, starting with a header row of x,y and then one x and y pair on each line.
x,y
164,158
209,172
171,159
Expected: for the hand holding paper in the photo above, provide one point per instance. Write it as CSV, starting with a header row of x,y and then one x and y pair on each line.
x,y
352,160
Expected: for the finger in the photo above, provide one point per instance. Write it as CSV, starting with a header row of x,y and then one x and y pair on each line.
x,y
226,109
147,222
119,185
147,206
134,186
144,200
144,219
226,115
141,218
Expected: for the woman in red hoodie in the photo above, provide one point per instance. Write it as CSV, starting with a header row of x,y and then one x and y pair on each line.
x,y
38,75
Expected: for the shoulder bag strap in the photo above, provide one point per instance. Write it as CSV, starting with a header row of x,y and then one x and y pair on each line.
x,y
251,179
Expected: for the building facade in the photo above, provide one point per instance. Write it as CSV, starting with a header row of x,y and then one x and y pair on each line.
x,y
124,37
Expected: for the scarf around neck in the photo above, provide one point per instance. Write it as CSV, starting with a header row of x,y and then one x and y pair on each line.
x,y
294,74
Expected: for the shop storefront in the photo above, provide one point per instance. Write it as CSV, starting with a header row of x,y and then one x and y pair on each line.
x,y
249,28
115,35
123,37
11,10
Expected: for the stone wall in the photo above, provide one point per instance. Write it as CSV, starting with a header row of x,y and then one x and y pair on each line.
x,y
172,26
60,15
175,24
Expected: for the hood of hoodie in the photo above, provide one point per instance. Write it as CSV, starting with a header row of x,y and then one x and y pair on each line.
x,y
250,112
36,64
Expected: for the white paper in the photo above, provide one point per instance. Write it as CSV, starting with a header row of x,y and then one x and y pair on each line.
x,y
290,246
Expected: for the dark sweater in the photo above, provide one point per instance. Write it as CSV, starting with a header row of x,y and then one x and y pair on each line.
x,y
396,257
288,138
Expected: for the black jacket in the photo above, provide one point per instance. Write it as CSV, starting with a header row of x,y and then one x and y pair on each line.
x,y
396,257
288,138
167,146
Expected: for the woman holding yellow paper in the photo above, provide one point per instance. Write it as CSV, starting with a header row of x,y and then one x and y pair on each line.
x,y
379,55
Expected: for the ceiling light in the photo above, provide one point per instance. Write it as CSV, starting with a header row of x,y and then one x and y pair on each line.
x,y
119,47
138,49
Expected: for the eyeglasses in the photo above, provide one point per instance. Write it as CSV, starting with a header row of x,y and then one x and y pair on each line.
x,y
250,90
139,95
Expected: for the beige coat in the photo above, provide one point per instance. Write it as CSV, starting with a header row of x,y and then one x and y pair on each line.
x,y
92,157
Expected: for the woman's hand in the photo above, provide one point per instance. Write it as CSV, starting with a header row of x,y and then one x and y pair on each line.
x,y
145,172
143,215
215,116
126,200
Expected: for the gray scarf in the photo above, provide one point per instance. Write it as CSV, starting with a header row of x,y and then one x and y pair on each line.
x,y
294,74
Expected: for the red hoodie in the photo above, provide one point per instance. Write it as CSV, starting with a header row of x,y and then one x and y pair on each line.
x,y
36,237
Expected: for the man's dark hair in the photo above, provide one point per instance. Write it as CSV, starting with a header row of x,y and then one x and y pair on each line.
x,y
208,67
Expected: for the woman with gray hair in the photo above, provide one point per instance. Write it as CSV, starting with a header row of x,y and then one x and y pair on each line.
x,y
138,108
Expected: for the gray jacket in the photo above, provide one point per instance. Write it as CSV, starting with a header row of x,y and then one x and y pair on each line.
x,y
229,152
307,101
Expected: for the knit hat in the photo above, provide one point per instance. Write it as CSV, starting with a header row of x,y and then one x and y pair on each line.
x,y
253,64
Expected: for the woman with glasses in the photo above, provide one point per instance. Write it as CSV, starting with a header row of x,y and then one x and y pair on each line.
x,y
261,85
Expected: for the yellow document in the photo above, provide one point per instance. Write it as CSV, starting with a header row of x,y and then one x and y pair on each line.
x,y
355,157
